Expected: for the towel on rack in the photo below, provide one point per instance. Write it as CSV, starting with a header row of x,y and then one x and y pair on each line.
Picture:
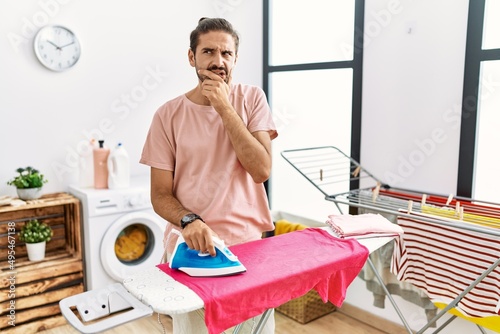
x,y
485,211
443,260
279,269
283,226
485,218
368,224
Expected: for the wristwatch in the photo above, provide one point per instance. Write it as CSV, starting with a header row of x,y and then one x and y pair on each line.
x,y
189,218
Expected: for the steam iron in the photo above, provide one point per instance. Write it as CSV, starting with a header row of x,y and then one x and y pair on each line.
x,y
197,264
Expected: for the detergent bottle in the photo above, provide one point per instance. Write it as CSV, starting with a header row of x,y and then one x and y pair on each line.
x,y
86,165
119,168
101,155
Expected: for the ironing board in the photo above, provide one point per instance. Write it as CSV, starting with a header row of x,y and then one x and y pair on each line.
x,y
147,292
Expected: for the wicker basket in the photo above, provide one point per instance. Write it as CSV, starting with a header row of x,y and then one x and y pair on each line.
x,y
306,308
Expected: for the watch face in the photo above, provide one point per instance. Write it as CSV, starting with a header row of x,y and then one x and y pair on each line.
x,y
188,219
57,47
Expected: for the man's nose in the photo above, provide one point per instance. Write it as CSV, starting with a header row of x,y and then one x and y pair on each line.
x,y
218,59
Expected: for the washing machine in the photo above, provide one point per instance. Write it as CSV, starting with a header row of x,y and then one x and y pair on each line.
x,y
121,233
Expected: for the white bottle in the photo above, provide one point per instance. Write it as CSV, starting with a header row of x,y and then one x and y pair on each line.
x,y
119,168
86,165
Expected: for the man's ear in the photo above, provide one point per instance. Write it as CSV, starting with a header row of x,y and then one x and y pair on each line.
x,y
192,61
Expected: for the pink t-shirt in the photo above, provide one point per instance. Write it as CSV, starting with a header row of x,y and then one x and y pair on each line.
x,y
191,140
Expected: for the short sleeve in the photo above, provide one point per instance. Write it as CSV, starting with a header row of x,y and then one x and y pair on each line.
x,y
158,150
260,117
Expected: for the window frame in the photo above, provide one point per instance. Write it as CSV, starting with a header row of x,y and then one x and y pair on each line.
x,y
474,55
356,64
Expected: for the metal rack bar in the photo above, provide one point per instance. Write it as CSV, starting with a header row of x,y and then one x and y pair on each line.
x,y
339,177
316,164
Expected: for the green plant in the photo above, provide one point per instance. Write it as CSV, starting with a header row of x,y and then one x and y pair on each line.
x,y
34,231
28,177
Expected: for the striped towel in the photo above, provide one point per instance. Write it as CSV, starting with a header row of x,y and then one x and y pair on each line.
x,y
444,260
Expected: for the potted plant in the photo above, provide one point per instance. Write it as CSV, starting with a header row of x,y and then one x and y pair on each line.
x,y
28,183
35,235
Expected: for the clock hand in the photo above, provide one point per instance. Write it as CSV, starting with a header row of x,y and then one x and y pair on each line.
x,y
57,47
67,45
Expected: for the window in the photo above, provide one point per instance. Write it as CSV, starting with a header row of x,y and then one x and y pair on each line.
x,y
312,77
491,38
487,172
478,175
320,31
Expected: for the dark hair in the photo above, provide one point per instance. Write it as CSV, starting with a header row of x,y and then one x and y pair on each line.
x,y
206,25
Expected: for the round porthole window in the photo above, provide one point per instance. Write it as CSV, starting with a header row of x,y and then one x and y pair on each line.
x,y
131,244
134,244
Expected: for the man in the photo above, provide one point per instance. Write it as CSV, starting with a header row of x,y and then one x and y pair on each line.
x,y
210,152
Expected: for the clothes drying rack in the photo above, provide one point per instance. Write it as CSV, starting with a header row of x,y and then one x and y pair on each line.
x,y
350,187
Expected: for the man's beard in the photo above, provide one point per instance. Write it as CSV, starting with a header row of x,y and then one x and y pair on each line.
x,y
212,69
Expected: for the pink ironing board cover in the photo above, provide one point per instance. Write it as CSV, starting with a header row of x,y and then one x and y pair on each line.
x,y
279,269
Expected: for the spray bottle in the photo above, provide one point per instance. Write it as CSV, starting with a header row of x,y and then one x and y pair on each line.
x,y
119,168
101,154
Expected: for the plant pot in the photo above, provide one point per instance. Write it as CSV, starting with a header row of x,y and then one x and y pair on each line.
x,y
29,193
36,251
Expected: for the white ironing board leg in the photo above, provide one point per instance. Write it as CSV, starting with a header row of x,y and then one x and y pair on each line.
x,y
263,321
260,325
237,328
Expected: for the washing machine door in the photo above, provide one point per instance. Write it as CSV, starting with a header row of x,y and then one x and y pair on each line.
x,y
133,242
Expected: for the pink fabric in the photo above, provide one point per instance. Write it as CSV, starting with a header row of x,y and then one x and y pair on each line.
x,y
279,269
366,224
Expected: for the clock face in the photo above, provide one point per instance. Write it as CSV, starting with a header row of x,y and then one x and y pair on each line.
x,y
57,48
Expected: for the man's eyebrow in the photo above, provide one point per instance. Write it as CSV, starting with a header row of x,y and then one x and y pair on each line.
x,y
222,51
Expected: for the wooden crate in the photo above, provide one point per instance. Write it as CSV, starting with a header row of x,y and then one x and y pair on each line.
x,y
30,291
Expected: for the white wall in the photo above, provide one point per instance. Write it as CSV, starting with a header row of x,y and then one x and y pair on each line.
x,y
412,89
134,58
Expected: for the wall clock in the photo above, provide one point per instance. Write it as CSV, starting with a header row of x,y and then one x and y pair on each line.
x,y
57,47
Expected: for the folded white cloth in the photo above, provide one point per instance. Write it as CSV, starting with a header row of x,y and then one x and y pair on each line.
x,y
367,224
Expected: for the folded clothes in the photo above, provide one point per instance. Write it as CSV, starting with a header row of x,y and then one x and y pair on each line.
x,y
368,224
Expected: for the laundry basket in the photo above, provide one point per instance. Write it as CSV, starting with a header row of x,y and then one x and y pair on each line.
x,y
310,306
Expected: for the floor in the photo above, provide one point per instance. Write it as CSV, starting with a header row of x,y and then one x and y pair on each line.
x,y
336,322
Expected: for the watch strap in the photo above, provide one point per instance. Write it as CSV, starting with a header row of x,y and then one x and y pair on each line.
x,y
189,218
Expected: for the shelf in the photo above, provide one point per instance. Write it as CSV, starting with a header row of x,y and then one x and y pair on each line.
x,y
30,291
